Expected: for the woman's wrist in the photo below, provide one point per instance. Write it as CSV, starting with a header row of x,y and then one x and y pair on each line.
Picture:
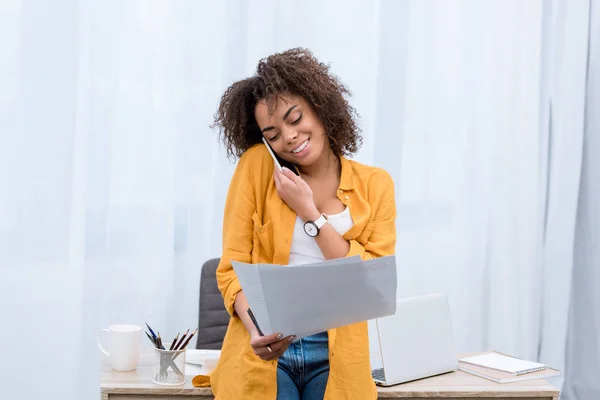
x,y
310,214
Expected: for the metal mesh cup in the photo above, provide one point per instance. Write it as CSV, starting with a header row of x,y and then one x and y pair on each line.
x,y
169,367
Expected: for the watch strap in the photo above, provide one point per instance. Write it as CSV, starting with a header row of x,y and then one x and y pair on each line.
x,y
322,220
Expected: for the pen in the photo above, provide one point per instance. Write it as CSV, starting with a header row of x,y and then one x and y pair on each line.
x,y
254,322
151,331
251,314
151,339
184,345
181,340
174,342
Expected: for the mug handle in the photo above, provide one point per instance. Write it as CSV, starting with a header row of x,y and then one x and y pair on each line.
x,y
98,341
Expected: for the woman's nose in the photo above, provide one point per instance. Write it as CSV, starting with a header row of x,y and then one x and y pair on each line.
x,y
290,135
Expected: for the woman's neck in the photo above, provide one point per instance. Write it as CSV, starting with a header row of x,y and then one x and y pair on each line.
x,y
326,167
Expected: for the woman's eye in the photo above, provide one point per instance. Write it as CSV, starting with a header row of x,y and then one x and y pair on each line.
x,y
297,120
274,137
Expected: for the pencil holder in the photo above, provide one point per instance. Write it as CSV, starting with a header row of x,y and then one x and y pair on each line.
x,y
169,367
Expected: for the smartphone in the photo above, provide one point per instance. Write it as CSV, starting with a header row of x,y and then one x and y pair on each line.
x,y
280,162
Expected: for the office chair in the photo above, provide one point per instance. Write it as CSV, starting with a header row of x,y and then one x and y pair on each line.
x,y
213,317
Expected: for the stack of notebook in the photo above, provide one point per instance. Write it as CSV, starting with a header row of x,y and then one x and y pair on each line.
x,y
501,368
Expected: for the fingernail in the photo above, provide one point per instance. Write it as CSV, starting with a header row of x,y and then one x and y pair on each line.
x,y
280,336
285,169
292,338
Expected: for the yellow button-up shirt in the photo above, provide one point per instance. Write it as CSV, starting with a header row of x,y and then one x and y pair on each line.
x,y
258,228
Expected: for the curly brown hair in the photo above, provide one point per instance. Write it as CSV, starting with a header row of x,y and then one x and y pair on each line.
x,y
295,72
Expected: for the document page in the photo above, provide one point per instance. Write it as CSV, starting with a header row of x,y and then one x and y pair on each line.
x,y
249,278
306,299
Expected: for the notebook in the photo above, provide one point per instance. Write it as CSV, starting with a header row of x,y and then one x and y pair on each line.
x,y
505,377
503,363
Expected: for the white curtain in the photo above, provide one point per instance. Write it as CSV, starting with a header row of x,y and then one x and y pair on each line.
x,y
564,73
112,184
583,341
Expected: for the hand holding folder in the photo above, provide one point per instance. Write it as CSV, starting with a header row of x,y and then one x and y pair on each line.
x,y
275,345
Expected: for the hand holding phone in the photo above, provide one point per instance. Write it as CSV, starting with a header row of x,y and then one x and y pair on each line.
x,y
272,154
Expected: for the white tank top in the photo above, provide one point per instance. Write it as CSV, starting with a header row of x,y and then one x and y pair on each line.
x,y
305,249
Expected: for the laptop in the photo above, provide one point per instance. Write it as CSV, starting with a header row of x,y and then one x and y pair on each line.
x,y
416,342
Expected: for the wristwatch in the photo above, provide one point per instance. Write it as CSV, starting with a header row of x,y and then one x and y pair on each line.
x,y
312,228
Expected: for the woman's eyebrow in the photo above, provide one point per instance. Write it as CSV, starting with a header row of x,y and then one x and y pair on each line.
x,y
287,113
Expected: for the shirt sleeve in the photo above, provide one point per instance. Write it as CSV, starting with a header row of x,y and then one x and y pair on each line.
x,y
382,242
237,231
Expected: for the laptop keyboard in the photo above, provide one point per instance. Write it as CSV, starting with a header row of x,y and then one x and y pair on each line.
x,y
378,374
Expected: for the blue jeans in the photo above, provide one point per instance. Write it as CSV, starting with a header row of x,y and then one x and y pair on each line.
x,y
303,369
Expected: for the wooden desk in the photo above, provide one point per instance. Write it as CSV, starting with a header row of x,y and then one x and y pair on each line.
x,y
137,385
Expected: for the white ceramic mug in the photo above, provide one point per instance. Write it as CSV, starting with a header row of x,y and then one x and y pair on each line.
x,y
124,342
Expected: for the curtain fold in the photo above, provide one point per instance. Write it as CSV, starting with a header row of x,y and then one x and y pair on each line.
x,y
582,363
566,70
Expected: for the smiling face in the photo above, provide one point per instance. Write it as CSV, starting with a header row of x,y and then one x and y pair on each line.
x,y
293,130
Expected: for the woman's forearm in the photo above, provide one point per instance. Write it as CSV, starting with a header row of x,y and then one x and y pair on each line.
x,y
331,243
241,309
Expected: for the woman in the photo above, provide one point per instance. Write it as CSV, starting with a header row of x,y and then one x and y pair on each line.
x,y
300,109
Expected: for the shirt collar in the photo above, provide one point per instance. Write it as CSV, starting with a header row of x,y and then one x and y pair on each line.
x,y
346,181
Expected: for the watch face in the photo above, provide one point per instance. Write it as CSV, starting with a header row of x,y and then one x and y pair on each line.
x,y
311,229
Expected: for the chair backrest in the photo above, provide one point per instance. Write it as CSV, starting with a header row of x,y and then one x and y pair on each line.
x,y
213,317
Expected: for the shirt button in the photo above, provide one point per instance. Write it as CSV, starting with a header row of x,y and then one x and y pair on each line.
x,y
346,197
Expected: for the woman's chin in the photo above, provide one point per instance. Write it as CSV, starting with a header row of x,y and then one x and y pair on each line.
x,y
305,161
